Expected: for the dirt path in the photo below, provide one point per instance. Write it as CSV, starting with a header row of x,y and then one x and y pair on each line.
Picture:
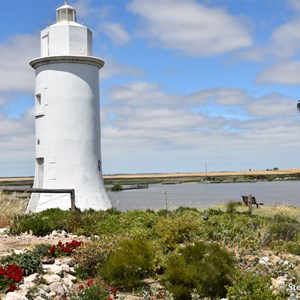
x,y
9,243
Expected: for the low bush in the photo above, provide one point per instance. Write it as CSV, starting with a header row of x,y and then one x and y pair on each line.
x,y
136,223
250,286
203,268
178,229
10,276
283,228
94,289
92,255
29,262
129,264
40,224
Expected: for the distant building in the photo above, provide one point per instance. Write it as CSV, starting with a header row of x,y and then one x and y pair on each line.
x,y
67,117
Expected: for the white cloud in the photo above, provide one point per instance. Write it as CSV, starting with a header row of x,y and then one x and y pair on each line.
x,y
114,68
221,96
115,32
272,105
283,73
149,120
286,40
15,54
190,27
295,4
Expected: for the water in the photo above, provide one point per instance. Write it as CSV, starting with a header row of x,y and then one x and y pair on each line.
x,y
157,196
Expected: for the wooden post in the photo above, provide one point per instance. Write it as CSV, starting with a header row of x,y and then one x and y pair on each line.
x,y
250,200
47,191
166,200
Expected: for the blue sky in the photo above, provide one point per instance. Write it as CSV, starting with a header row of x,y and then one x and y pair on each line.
x,y
186,83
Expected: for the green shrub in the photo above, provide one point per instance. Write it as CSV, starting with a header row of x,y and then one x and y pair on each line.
x,y
177,229
128,265
250,286
116,187
231,206
41,250
136,223
28,261
90,256
94,289
203,268
284,228
41,223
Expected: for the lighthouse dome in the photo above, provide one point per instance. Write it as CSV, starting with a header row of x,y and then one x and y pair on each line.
x,y
66,13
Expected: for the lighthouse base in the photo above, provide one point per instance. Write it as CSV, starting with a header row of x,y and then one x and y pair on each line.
x,y
83,200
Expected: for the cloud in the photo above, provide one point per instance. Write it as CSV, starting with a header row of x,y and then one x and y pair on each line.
x,y
272,105
284,73
113,68
115,32
17,144
190,27
15,54
286,40
295,4
145,118
221,96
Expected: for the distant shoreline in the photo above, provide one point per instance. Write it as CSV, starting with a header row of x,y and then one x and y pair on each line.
x,y
204,174
174,175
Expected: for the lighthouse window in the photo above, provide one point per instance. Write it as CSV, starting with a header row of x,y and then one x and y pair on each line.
x,y
38,106
66,14
38,99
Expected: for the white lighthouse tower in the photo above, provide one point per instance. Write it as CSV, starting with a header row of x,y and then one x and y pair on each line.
x,y
67,117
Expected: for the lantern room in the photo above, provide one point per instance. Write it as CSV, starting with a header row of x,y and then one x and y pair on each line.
x,y
66,13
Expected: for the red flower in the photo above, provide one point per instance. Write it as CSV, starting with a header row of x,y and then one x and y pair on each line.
x,y
2,271
90,282
66,249
81,286
11,287
52,249
113,290
14,272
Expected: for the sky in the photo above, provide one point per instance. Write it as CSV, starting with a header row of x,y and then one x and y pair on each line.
x,y
187,86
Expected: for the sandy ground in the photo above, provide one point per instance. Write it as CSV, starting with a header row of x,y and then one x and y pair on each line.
x,y
225,173
165,175
9,243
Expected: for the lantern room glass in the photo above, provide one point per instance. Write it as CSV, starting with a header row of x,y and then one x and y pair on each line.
x,y
66,13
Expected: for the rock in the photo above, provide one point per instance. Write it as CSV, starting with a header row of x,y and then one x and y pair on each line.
x,y
67,282
41,293
44,287
54,269
264,260
57,288
49,278
14,296
4,231
32,278
39,298
71,277
279,283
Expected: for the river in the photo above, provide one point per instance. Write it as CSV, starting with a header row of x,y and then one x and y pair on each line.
x,y
199,195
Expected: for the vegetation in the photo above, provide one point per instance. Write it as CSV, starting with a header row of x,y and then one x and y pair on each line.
x,y
194,254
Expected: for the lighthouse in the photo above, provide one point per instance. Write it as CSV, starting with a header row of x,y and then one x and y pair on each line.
x,y
67,117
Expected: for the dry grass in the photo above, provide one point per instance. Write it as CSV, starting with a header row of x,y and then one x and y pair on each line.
x,y
11,204
203,174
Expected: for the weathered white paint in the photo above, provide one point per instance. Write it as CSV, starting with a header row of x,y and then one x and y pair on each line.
x,y
67,118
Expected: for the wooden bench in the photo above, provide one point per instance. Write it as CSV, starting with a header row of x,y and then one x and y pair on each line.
x,y
246,200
